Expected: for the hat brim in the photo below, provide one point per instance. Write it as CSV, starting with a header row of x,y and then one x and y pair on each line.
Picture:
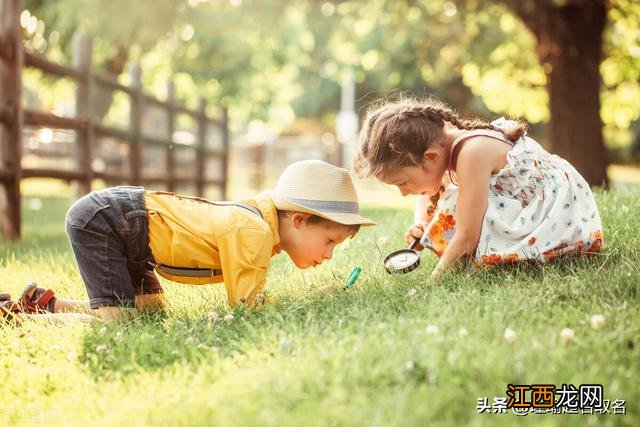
x,y
285,204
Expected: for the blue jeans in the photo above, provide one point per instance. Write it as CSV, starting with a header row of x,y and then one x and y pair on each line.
x,y
109,234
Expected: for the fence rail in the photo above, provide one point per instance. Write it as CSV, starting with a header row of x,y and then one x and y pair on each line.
x,y
88,130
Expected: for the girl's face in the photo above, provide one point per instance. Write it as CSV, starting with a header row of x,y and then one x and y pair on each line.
x,y
424,179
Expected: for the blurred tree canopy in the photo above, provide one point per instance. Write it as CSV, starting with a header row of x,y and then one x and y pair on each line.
x,y
277,60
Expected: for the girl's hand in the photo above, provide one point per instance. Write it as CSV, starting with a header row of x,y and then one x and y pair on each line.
x,y
436,275
415,232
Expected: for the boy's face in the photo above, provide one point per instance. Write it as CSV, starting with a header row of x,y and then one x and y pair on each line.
x,y
308,245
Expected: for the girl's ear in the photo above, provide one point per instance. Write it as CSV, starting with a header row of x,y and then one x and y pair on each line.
x,y
432,154
299,218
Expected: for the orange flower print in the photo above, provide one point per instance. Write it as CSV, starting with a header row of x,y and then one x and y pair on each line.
x,y
596,245
511,258
532,241
597,235
446,220
491,259
435,231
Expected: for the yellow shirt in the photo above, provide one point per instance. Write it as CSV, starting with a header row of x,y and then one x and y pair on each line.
x,y
186,232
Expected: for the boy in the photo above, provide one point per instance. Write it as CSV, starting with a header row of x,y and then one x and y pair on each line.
x,y
121,235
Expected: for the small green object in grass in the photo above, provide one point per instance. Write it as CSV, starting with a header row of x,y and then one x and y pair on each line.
x,y
352,278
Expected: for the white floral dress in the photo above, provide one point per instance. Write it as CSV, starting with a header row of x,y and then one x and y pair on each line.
x,y
539,207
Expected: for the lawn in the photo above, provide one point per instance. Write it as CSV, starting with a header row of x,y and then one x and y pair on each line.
x,y
390,351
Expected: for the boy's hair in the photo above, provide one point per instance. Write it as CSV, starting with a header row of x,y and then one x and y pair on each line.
x,y
396,134
315,219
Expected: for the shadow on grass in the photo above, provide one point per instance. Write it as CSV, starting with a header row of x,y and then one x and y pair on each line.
x,y
153,342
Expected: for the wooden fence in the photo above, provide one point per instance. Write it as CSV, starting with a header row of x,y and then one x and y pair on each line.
x,y
14,119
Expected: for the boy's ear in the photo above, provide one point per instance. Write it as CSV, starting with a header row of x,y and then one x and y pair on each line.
x,y
298,218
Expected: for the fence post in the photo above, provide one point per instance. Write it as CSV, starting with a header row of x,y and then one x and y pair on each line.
x,y
11,63
82,60
135,124
225,152
201,150
171,118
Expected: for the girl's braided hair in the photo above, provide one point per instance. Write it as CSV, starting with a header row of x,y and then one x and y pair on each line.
x,y
396,134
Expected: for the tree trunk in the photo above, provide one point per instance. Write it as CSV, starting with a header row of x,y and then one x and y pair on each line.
x,y
570,36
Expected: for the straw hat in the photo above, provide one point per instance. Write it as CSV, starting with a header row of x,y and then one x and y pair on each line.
x,y
319,188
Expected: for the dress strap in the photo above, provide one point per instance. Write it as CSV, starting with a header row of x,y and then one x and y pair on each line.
x,y
475,132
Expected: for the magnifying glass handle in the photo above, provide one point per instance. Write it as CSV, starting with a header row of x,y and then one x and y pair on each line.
x,y
414,244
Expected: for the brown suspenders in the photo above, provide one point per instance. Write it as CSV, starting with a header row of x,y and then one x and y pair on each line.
x,y
202,272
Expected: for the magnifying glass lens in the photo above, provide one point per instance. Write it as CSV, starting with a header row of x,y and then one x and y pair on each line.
x,y
402,261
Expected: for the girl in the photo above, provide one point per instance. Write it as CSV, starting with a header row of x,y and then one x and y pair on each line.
x,y
496,196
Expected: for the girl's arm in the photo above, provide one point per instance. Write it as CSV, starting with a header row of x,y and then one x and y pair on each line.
x,y
420,212
477,158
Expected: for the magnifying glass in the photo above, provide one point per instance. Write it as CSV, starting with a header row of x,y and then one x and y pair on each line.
x,y
404,260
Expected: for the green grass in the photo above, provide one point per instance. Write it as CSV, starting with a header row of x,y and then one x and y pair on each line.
x,y
369,356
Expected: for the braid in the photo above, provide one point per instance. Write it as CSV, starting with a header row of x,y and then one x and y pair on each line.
x,y
512,133
397,134
448,115
434,201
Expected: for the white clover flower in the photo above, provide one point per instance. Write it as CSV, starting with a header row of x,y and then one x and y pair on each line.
x,y
383,240
228,317
286,343
101,348
102,330
462,332
412,293
213,316
260,299
71,356
432,329
567,335
409,365
34,204
510,335
598,321
189,340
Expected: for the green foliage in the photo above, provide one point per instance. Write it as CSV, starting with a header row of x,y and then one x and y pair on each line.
x,y
390,351
621,72
113,24
274,60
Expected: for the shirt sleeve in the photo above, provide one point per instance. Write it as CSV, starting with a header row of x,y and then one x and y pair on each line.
x,y
244,256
